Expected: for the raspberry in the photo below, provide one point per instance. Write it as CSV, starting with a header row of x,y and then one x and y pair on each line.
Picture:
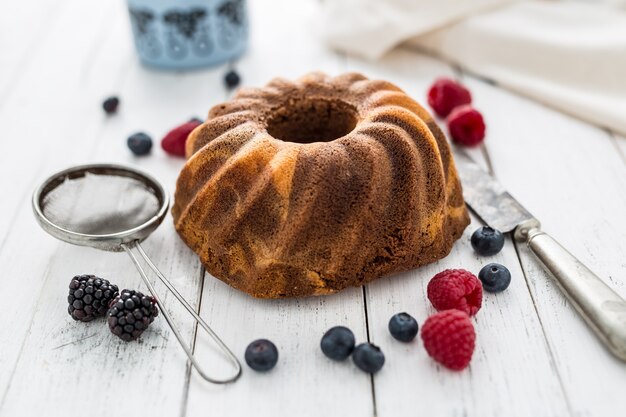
x,y
449,338
446,94
174,142
456,289
466,126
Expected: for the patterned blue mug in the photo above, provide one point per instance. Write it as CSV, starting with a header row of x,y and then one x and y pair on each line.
x,y
184,34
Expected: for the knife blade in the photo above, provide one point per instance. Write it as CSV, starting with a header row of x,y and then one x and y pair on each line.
x,y
603,309
487,197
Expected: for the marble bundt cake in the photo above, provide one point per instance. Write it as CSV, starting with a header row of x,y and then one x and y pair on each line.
x,y
308,187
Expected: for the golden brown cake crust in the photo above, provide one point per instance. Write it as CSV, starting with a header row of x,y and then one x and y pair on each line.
x,y
361,185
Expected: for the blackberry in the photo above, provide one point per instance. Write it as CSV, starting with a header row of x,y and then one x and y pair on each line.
x,y
130,314
89,297
110,105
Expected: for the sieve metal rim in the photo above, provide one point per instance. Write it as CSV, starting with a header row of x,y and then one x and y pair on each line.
x,y
110,241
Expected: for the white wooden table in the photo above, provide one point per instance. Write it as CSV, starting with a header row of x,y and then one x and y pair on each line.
x,y
534,356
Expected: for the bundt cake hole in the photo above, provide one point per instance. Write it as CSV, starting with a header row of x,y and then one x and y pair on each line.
x,y
312,120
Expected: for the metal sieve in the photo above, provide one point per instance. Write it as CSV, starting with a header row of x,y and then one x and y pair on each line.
x,y
114,208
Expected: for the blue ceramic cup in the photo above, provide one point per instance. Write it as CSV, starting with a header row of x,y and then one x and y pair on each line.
x,y
185,34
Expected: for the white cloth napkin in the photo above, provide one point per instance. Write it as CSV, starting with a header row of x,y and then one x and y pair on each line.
x,y
570,55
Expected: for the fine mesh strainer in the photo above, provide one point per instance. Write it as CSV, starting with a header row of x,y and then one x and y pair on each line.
x,y
114,208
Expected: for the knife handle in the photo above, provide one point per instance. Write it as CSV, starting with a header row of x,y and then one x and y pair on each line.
x,y
601,307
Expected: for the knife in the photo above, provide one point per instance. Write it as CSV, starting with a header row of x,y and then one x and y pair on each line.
x,y
601,307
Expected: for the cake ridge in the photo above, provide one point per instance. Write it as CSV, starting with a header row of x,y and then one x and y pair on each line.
x,y
287,235
411,127
223,124
221,171
194,178
388,135
379,191
256,191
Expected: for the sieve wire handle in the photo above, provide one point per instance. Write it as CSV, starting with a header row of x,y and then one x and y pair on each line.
x,y
231,357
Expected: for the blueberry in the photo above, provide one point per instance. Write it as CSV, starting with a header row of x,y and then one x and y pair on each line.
x,y
495,277
232,79
110,104
196,120
338,343
368,357
261,355
140,143
403,327
487,241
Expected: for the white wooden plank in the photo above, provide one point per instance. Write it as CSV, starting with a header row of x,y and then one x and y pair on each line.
x,y
304,383
72,367
57,357
45,103
284,43
24,26
42,107
620,143
511,362
75,366
570,176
